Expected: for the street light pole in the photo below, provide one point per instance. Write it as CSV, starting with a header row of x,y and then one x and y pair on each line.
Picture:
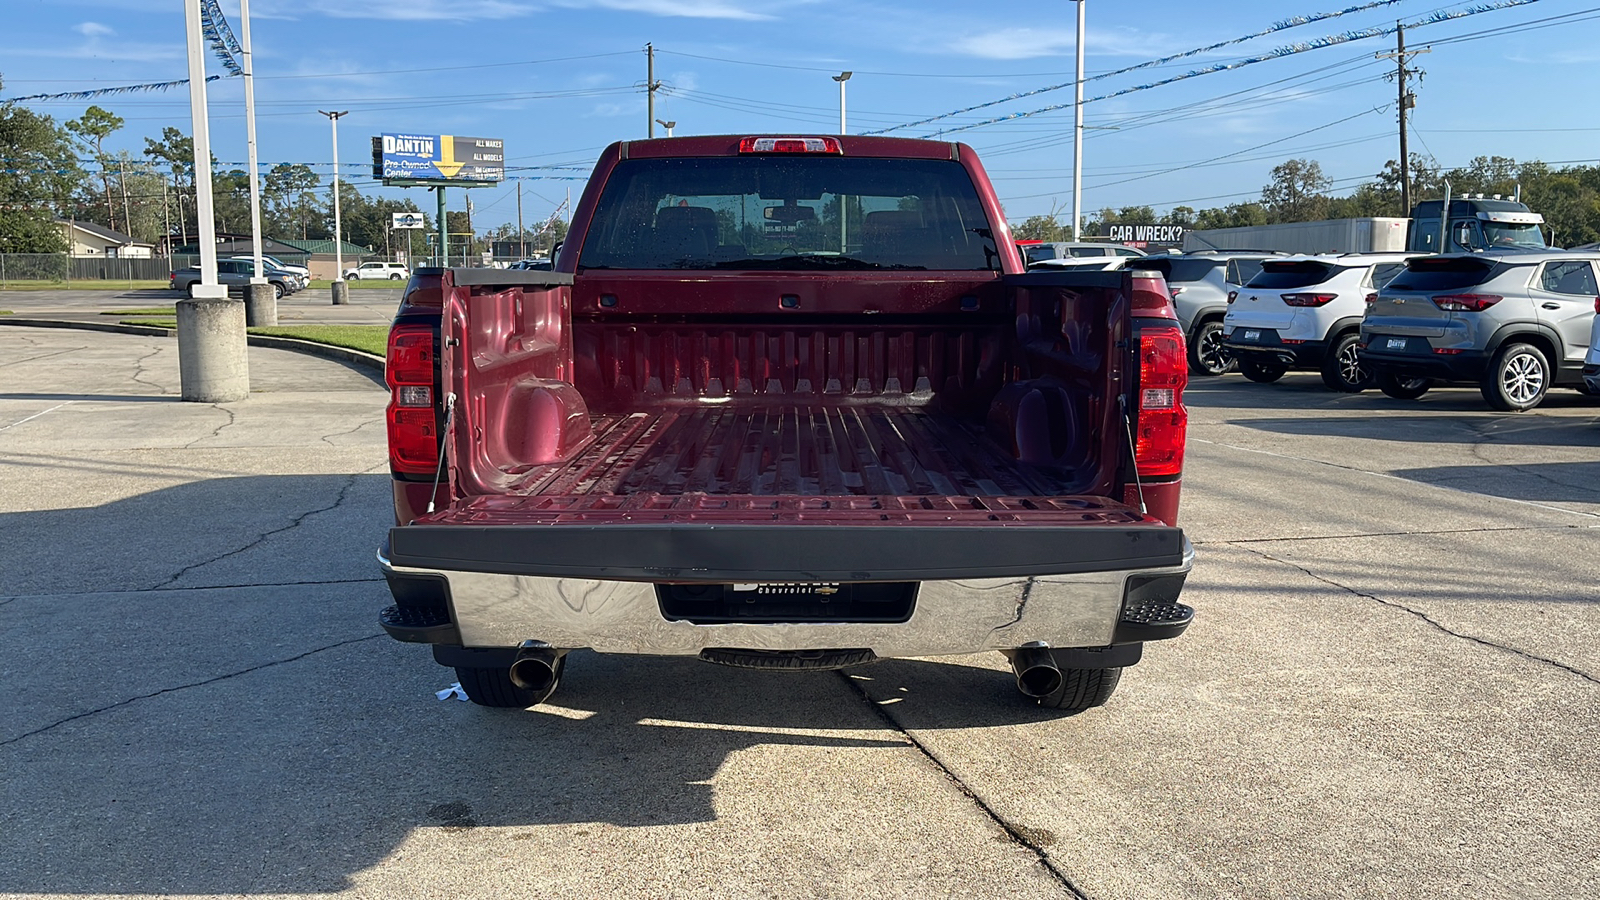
x,y
260,276
1077,135
842,77
208,288
339,287
667,125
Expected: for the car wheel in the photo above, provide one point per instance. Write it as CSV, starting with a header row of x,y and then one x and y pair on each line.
x,y
1207,355
189,291
494,687
396,277
1082,689
1260,372
1341,368
1402,388
1517,379
277,290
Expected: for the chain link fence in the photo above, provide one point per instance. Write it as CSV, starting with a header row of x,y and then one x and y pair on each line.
x,y
19,270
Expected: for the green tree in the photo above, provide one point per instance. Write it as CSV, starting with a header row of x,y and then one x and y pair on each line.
x,y
91,130
42,171
1297,192
1041,228
288,192
1234,215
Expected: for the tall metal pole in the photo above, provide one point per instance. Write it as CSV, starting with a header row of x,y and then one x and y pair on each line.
x,y
260,276
338,229
1077,135
842,77
444,231
522,242
208,288
650,86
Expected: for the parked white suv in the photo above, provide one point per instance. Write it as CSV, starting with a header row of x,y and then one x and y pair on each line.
x,y
1304,312
381,270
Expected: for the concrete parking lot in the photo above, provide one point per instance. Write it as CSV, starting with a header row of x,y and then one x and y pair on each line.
x,y
1392,687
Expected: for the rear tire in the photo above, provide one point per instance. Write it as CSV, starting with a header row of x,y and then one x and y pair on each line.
x,y
1402,388
493,687
1207,355
1261,373
277,291
1341,368
190,290
396,277
1083,689
1517,379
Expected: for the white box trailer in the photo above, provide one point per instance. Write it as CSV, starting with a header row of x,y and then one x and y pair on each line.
x,y
1373,234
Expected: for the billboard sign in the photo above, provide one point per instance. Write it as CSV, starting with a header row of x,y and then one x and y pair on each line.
x,y
406,220
1147,235
438,158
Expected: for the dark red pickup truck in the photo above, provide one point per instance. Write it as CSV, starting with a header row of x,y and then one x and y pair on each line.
x,y
788,403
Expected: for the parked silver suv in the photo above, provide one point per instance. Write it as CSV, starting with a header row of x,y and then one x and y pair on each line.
x,y
1515,323
1200,285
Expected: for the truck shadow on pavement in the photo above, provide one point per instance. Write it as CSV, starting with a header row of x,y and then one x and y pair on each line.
x,y
246,729
1486,427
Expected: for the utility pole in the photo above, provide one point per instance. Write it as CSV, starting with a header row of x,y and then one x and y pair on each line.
x,y
522,237
1406,101
1077,134
842,77
466,254
651,85
127,220
205,222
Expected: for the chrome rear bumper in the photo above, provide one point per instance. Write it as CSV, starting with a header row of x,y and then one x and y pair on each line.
x,y
950,616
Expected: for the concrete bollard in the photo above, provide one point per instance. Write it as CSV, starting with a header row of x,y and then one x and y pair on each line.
x,y
341,293
212,363
260,305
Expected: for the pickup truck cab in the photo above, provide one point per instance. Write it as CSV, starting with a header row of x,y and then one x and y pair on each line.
x,y
733,424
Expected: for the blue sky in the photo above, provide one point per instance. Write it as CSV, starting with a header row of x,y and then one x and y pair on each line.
x,y
560,79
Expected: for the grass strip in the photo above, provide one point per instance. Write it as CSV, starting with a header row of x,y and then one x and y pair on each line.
x,y
108,285
151,311
372,339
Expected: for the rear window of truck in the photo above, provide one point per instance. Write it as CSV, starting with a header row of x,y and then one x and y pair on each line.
x,y
1442,274
1299,273
1177,271
782,213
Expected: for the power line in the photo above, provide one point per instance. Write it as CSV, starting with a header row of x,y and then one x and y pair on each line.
x,y
1278,53
1284,25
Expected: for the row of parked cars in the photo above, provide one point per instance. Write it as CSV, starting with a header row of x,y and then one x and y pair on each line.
x,y
1514,323
235,273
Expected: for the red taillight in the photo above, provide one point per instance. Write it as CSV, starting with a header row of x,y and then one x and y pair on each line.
x,y
1371,299
1163,422
1175,291
1309,299
1465,302
413,418
1232,296
790,145
1597,306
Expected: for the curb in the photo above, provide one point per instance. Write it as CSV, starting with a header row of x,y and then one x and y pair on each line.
x,y
374,364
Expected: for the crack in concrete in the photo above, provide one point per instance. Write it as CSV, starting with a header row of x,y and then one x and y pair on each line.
x,y
177,590
18,362
344,494
139,370
1017,834
232,418
328,439
1373,534
184,687
1531,657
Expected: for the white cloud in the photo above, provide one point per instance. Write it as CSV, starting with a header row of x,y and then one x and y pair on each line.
x,y
92,29
1027,42
398,10
688,9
